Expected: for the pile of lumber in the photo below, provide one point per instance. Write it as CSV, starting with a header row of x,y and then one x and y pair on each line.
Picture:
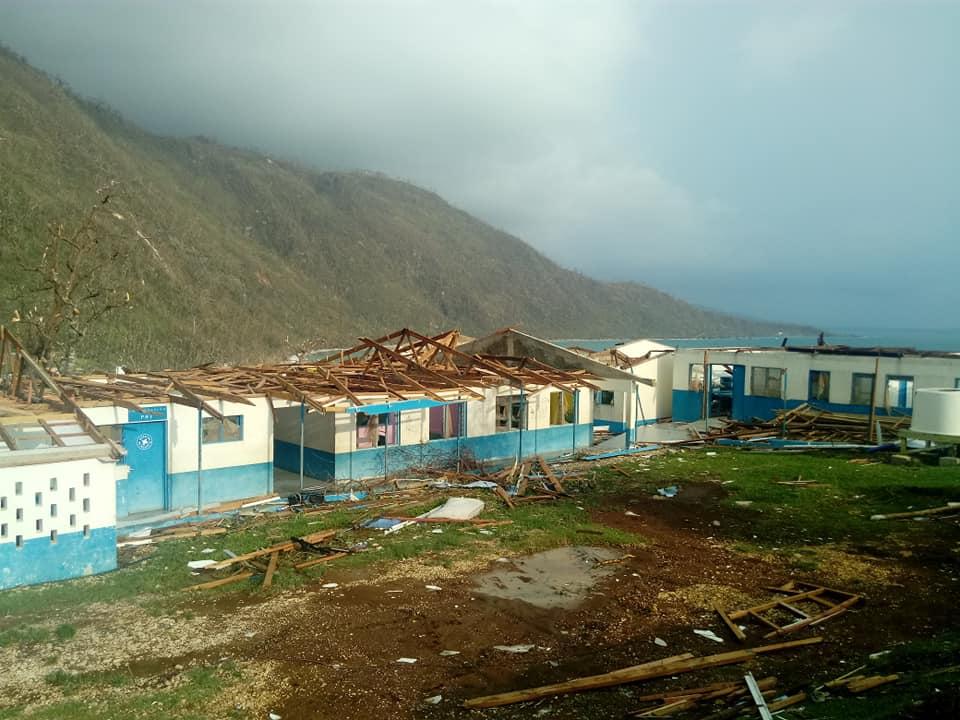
x,y
806,422
722,694
861,683
250,564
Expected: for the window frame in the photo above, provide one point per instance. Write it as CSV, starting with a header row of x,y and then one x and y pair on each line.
x,y
447,432
853,388
558,402
910,390
221,429
504,418
390,439
767,374
600,396
811,397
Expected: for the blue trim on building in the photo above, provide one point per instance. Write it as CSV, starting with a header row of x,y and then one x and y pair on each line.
x,y
220,484
687,405
317,464
393,407
373,462
72,555
615,426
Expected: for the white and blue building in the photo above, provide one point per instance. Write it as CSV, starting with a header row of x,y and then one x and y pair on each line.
x,y
624,404
57,500
835,378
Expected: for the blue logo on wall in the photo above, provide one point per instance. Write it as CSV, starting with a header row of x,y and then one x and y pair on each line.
x,y
144,442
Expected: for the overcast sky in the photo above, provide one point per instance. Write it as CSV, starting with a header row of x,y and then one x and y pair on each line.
x,y
797,161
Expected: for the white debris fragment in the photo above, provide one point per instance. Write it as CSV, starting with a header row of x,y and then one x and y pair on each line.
x,y
329,586
448,653
435,700
514,648
433,588
200,564
406,661
709,635
660,642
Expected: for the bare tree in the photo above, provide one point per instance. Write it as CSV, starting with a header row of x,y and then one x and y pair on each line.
x,y
71,280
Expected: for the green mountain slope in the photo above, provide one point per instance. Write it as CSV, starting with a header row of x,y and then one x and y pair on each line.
x,y
246,256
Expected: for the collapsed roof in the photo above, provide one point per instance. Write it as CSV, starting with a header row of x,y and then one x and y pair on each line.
x,y
401,366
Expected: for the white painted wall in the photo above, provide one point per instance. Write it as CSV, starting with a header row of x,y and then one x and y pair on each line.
x,y
68,496
183,427
929,372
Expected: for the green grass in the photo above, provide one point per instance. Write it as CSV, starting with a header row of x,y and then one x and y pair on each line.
x,y
837,508
929,685
185,702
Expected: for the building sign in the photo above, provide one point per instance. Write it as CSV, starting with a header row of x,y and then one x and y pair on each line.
x,y
152,413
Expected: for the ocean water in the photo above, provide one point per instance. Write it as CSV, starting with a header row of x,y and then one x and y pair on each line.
x,y
947,340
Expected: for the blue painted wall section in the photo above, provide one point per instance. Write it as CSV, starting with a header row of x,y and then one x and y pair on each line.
x,y
220,484
73,555
316,463
370,462
764,408
687,405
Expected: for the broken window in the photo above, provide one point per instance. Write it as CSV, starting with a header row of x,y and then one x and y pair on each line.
x,y
819,385
561,408
511,413
899,391
696,378
230,430
766,382
603,397
862,389
377,430
445,421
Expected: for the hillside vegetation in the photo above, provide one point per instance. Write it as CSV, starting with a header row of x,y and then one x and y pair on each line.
x,y
243,257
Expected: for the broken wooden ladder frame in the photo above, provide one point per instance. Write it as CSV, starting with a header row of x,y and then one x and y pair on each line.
x,y
833,601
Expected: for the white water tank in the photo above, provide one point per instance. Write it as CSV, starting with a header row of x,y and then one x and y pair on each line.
x,y
937,411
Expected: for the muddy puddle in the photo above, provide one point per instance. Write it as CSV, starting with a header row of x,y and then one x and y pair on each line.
x,y
559,578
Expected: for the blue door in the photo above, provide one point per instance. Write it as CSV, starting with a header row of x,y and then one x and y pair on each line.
x,y
146,446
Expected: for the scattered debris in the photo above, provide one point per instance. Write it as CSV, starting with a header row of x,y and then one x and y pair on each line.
x,y
675,665
950,506
514,648
798,593
709,635
669,491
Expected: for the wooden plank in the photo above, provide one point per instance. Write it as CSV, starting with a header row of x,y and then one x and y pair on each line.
x,y
814,619
859,686
952,506
737,614
791,609
554,480
271,569
318,561
502,494
787,702
281,547
7,438
760,618
222,581
648,671
731,625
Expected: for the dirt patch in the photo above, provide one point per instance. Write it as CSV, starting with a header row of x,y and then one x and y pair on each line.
x,y
559,578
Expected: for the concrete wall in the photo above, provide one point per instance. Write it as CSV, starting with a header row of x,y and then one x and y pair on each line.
x,y
927,372
227,470
77,500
